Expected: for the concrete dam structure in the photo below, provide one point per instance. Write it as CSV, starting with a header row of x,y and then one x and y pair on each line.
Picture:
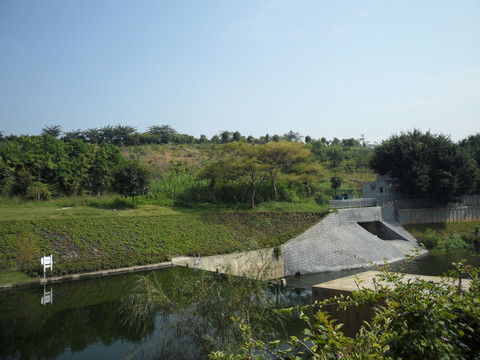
x,y
348,239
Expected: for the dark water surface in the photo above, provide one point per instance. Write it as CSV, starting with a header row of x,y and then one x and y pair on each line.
x,y
81,319
434,263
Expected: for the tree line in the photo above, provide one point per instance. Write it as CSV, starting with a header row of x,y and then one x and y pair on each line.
x,y
121,135
41,167
286,168
430,165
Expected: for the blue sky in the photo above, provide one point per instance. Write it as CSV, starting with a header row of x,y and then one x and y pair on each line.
x,y
320,68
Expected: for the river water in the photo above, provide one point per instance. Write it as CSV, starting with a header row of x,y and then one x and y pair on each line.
x,y
81,319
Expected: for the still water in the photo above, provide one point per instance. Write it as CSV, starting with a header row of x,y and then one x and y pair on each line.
x,y
81,320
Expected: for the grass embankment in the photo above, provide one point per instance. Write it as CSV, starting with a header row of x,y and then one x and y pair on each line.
x,y
83,239
445,236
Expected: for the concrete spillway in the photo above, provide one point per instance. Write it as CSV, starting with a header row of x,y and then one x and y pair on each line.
x,y
348,239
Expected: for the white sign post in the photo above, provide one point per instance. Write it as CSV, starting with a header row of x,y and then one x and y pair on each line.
x,y
47,262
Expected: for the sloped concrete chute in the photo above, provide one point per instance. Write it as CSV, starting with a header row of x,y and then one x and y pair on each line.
x,y
347,239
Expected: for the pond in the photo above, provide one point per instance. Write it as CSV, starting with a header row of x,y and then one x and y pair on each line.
x,y
81,319
434,263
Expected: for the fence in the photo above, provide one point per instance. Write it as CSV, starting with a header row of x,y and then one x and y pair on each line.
x,y
434,215
352,203
472,200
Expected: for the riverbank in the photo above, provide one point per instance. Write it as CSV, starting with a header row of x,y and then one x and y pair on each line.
x,y
447,236
90,275
90,244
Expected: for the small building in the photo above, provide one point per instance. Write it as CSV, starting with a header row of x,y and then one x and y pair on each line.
x,y
384,188
345,194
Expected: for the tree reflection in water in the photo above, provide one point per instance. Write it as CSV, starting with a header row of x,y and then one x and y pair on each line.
x,y
198,314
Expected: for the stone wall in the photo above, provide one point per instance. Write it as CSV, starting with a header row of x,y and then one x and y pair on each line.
x,y
339,243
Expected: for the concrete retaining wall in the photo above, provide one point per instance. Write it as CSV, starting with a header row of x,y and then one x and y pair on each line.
x,y
434,215
257,264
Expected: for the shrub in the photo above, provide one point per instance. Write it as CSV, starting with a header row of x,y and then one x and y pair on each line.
x,y
429,239
321,199
411,320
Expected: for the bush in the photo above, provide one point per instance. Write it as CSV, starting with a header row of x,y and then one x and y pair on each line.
x,y
429,239
410,320
454,242
321,199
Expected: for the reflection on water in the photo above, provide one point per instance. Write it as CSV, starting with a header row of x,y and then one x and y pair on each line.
x,y
84,322
434,263
47,297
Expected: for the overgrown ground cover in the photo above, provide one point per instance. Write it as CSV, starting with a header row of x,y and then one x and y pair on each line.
x,y
86,238
449,235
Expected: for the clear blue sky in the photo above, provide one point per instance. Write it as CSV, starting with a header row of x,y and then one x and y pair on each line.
x,y
321,68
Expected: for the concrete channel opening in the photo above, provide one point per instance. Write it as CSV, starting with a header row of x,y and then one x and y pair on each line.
x,y
381,230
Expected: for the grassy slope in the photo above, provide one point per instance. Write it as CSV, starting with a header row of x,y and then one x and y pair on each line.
x,y
85,239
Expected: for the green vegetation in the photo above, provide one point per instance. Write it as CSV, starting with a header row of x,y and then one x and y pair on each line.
x,y
229,168
82,244
450,235
410,320
57,191
428,165
13,277
203,305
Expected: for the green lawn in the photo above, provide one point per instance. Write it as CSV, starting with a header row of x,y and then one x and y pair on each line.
x,y
65,212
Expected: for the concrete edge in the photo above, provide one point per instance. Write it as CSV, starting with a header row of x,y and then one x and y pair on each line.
x,y
90,275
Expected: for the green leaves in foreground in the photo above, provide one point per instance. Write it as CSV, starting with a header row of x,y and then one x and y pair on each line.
x,y
410,320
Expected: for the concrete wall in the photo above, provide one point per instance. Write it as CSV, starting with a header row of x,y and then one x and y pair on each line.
x,y
339,243
257,264
434,215
382,189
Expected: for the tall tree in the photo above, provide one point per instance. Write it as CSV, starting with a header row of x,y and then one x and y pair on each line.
x,y
293,136
280,157
164,133
52,130
245,162
100,173
472,146
427,165
335,182
132,179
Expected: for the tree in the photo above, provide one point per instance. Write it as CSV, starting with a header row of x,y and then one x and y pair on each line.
x,y
280,157
226,137
245,162
236,136
335,155
6,178
472,146
164,133
202,139
52,130
293,136
336,181
427,165
132,179
100,173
